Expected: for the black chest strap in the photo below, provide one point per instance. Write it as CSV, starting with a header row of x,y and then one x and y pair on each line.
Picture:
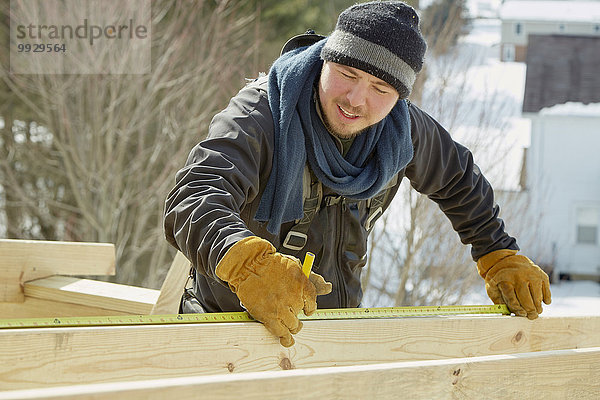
x,y
312,191
297,236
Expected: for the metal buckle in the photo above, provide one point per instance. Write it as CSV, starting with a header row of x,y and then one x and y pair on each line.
x,y
331,200
370,220
293,235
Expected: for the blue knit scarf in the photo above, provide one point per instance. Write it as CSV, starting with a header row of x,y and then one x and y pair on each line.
x,y
374,157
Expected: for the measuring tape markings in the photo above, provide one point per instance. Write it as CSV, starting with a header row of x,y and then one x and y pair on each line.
x,y
324,314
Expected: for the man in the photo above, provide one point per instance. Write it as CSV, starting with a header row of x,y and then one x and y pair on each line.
x,y
308,158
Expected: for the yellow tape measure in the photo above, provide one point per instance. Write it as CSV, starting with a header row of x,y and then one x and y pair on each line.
x,y
324,314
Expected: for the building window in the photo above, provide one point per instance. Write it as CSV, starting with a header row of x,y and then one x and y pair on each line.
x,y
561,27
518,28
597,28
588,219
508,52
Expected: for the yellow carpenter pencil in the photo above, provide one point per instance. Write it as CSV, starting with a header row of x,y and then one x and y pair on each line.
x,y
309,259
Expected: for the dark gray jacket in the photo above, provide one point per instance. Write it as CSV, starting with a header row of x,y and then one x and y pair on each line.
x,y
217,193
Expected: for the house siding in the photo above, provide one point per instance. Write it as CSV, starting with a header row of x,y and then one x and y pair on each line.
x,y
563,174
561,69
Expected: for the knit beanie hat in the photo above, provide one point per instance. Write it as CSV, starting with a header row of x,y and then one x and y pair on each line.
x,y
381,38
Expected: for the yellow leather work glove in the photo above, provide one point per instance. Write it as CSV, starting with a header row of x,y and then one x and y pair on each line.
x,y
515,281
271,286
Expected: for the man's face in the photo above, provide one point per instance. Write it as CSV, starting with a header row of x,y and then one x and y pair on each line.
x,y
352,100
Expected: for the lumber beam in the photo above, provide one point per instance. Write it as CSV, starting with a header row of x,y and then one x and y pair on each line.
x,y
39,308
173,286
573,373
24,260
106,295
44,357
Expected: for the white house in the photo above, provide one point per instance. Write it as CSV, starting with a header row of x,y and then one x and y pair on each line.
x,y
552,205
563,180
562,100
523,18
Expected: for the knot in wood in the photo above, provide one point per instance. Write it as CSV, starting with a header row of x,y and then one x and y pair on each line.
x,y
518,337
456,374
286,364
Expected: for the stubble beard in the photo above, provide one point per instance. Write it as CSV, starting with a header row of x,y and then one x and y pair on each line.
x,y
332,130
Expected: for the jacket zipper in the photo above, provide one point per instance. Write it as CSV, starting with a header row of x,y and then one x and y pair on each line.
x,y
340,216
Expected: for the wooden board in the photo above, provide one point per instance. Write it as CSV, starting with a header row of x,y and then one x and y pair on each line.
x,y
67,356
106,295
559,374
24,260
173,286
38,308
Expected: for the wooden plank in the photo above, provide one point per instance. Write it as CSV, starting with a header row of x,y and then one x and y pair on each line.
x,y
564,374
38,308
24,260
106,295
66,356
173,286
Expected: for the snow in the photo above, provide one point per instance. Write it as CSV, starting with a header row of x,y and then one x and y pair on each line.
x,y
507,80
569,298
483,45
563,11
423,4
573,109
574,298
483,8
475,8
484,32
483,83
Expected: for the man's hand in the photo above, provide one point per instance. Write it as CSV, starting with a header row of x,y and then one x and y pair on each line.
x,y
515,281
271,286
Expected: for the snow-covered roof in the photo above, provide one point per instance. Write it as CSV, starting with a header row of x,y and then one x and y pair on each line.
x,y
573,108
566,11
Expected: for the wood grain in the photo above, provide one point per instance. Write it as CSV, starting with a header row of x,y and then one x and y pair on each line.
x,y
38,308
66,356
558,374
173,286
24,260
107,295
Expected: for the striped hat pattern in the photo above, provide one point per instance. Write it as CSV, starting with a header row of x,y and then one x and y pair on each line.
x,y
381,38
